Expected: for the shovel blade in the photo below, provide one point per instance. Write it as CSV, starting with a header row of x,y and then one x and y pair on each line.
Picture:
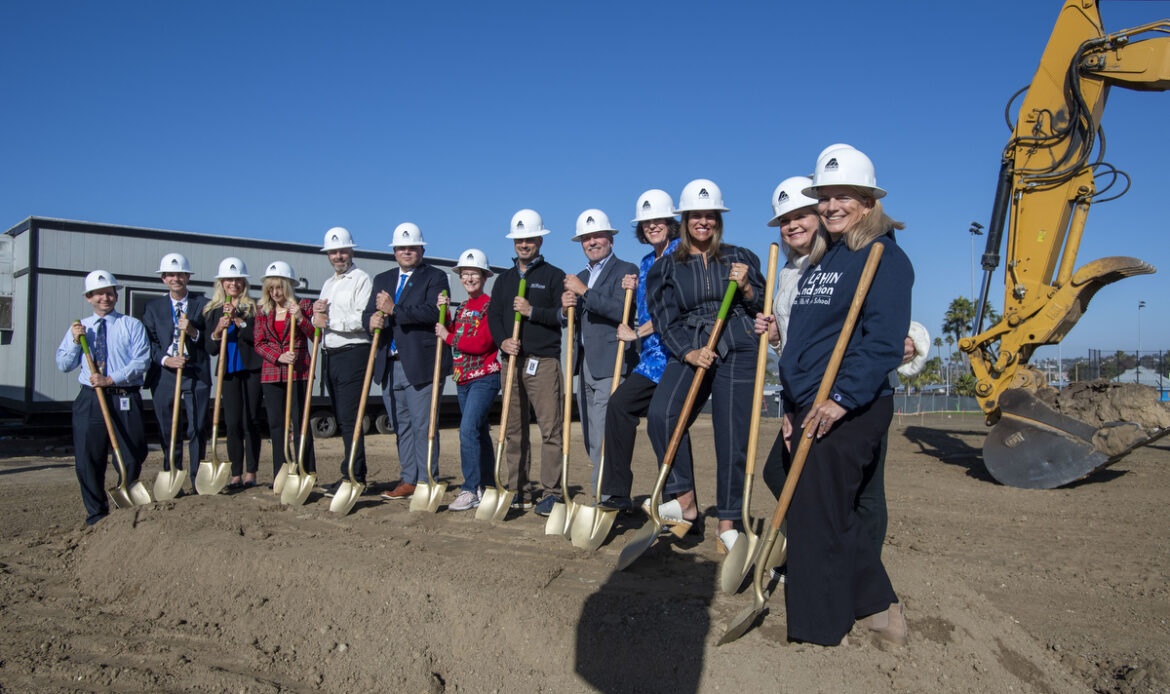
x,y
119,498
212,477
560,520
487,505
638,544
427,497
287,470
737,563
168,484
779,553
139,495
592,526
297,489
742,623
346,496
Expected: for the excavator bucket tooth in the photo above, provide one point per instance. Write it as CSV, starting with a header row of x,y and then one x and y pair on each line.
x,y
1036,447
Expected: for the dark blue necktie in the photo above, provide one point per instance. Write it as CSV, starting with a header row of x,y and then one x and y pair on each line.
x,y
99,346
397,293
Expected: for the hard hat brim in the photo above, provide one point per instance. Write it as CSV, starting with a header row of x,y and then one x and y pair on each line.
x,y
701,209
527,234
406,245
460,268
877,193
578,237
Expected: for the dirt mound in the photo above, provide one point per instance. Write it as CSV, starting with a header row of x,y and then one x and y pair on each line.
x,y
236,593
1125,414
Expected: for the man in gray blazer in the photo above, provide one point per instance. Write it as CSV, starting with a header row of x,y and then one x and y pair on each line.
x,y
167,320
597,293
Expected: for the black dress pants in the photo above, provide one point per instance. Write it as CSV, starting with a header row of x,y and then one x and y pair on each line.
x,y
91,444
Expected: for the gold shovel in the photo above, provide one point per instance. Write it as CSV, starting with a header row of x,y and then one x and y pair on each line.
x,y
350,489
300,483
744,620
648,533
739,559
427,496
213,474
560,519
290,464
593,523
169,483
124,495
497,499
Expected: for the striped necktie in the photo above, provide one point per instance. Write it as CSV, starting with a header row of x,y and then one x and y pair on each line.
x,y
99,346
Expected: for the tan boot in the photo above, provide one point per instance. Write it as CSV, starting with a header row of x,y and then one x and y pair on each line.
x,y
890,624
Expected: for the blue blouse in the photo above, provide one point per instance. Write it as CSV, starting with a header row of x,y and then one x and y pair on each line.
x,y
654,353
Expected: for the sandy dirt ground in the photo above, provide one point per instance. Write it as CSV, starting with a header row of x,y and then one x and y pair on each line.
x,y
1005,590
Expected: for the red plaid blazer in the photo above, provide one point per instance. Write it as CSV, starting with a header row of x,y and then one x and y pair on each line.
x,y
271,343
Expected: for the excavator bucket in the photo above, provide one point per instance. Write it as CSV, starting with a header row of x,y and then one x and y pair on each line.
x,y
1035,447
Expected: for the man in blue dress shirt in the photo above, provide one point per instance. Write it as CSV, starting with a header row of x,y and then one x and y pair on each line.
x,y
121,352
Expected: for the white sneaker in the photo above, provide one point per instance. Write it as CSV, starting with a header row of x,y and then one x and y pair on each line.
x,y
465,501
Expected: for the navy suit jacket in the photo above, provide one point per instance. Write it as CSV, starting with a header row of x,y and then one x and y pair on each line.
x,y
412,325
159,322
599,311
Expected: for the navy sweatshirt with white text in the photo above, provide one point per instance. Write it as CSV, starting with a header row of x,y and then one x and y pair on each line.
x,y
824,295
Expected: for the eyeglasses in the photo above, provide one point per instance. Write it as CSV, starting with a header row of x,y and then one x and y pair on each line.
x,y
469,275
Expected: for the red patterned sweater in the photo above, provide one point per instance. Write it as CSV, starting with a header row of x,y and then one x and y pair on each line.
x,y
471,342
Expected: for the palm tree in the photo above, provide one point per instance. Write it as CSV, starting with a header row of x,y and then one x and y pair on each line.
x,y
959,318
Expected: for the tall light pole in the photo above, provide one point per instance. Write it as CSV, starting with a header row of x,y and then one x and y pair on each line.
x,y
975,230
1138,376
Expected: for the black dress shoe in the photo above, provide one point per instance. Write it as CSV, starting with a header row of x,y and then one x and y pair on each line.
x,y
617,503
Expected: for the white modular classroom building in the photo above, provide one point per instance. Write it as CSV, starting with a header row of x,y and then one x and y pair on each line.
x,y
43,264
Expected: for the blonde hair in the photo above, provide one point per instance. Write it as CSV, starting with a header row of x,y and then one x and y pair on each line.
x,y
682,252
820,244
244,304
267,305
875,224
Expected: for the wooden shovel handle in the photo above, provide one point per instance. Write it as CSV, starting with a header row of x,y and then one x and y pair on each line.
x,y
308,399
437,375
830,377
510,376
761,368
570,315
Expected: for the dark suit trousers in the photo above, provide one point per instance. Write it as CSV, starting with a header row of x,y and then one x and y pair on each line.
x,y
91,446
274,396
241,417
196,397
345,373
629,403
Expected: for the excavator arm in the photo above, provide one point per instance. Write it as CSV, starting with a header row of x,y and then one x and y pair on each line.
x,y
1047,183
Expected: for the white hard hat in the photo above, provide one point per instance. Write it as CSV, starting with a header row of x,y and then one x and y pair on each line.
x,y
279,268
99,279
527,224
338,237
475,259
789,196
845,166
830,148
231,267
701,194
407,234
174,262
592,221
653,204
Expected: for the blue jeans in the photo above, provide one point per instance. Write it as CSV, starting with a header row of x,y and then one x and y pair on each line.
x,y
475,436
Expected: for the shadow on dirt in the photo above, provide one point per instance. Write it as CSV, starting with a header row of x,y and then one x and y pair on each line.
x,y
629,639
951,447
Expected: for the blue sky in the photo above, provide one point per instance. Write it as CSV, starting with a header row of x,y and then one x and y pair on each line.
x,y
280,120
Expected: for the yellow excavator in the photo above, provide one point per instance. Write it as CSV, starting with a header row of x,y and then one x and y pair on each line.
x,y
1049,177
